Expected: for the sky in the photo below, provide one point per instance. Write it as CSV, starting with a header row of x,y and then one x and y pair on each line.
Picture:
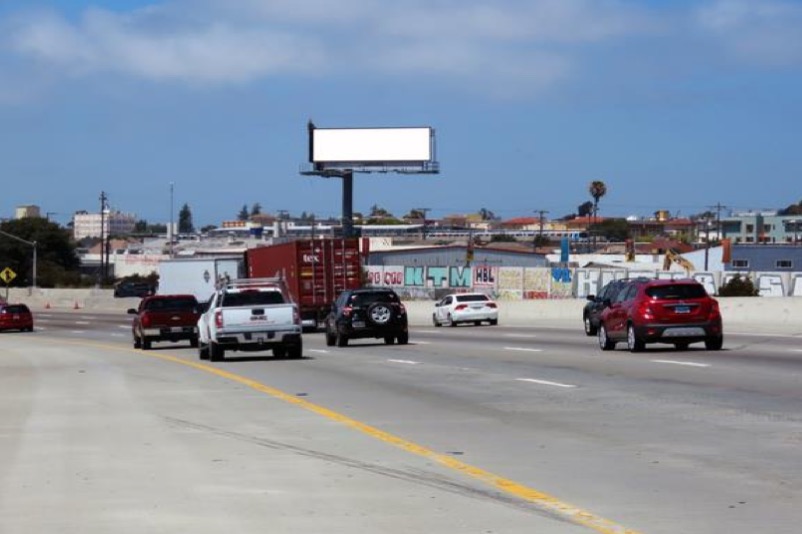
x,y
676,106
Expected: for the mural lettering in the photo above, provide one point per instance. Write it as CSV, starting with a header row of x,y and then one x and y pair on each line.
x,y
459,277
770,285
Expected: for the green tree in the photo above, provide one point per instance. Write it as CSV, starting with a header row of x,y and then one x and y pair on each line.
x,y
487,215
256,209
585,209
378,212
243,213
793,209
56,259
613,229
597,190
141,227
185,225
738,287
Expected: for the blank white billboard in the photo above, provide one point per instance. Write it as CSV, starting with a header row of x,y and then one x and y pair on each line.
x,y
371,145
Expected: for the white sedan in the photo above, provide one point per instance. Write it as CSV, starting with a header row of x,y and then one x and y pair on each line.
x,y
465,308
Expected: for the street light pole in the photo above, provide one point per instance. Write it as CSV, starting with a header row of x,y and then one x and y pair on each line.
x,y
170,233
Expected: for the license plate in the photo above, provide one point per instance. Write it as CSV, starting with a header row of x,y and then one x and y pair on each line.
x,y
176,329
260,339
682,309
358,324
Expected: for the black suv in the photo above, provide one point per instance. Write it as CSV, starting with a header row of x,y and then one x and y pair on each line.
x,y
597,303
363,313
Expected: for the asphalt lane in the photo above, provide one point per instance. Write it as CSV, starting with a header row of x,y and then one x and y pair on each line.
x,y
662,441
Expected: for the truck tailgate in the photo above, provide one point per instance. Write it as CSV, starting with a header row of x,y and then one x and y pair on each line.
x,y
261,318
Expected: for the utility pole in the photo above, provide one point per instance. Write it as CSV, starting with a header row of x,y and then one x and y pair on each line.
x,y
718,207
541,215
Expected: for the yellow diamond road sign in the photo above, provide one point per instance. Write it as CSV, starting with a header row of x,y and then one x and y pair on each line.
x,y
7,275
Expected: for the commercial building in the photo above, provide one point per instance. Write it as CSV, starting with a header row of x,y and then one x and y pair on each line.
x,y
114,223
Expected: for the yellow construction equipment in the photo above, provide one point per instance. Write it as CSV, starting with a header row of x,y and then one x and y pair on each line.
x,y
672,256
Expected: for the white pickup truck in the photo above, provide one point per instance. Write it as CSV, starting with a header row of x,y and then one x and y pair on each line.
x,y
250,315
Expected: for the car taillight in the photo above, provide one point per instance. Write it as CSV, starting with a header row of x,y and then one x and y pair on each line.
x,y
645,310
715,312
146,320
460,307
347,311
296,317
491,305
218,319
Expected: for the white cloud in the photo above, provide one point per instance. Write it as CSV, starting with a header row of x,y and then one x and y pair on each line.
x,y
219,42
767,33
528,45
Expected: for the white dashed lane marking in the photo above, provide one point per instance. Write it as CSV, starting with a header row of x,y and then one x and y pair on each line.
x,y
407,362
687,364
523,349
545,382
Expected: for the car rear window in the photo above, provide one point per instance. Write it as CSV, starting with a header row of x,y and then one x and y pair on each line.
x,y
15,308
181,304
364,299
677,291
251,298
472,298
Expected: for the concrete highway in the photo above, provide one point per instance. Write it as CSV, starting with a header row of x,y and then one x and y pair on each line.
x,y
465,430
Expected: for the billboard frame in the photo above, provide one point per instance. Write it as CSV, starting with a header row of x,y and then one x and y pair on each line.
x,y
340,168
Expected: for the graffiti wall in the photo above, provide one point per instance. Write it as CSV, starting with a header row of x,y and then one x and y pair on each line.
x,y
524,283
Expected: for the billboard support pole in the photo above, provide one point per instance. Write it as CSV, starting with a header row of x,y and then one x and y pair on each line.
x,y
348,203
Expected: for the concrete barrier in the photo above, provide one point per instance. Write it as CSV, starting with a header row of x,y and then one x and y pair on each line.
x,y
742,314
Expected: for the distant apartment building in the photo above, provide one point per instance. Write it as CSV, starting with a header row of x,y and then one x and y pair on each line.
x,y
762,227
29,211
114,223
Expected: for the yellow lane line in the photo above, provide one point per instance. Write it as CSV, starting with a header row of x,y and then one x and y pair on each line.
x,y
542,500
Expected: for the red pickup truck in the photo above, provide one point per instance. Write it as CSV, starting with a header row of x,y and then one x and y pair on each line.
x,y
165,318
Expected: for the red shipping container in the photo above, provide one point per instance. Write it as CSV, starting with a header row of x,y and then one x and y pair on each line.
x,y
315,271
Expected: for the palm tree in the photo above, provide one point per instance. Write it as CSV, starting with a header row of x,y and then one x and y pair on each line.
x,y
597,189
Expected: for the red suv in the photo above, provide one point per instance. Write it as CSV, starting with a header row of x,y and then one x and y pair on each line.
x,y
678,312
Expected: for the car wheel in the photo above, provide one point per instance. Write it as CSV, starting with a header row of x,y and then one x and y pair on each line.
x,y
331,339
403,338
380,313
342,340
146,343
216,352
296,351
280,351
714,343
193,342
590,330
451,321
634,343
203,351
477,323
137,342
493,322
389,340
435,321
605,343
